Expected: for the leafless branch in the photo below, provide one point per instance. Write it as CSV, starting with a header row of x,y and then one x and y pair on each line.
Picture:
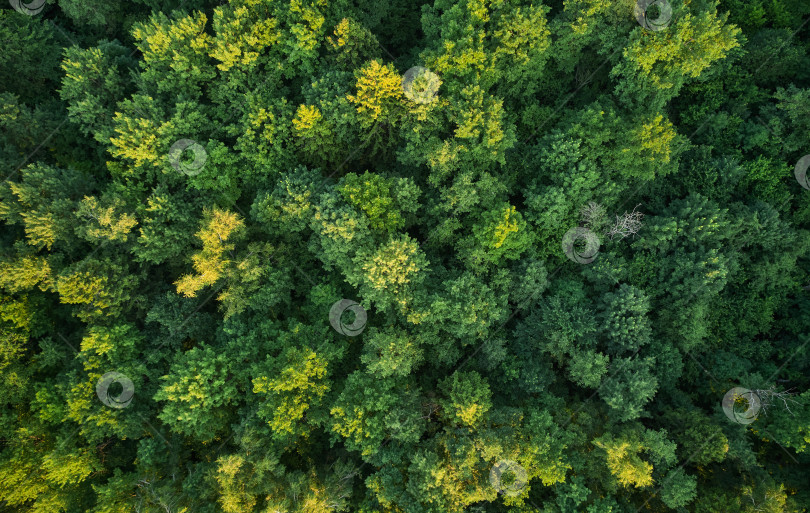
x,y
627,224
769,396
593,215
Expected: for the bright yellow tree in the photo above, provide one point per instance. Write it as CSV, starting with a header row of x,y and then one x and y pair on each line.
x,y
379,94
624,462
220,230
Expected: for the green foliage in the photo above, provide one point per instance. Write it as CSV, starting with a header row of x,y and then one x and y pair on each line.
x,y
624,319
360,414
297,380
391,353
92,85
29,64
387,203
502,234
389,273
624,462
198,394
679,489
486,370
175,54
631,386
91,13
660,64
468,398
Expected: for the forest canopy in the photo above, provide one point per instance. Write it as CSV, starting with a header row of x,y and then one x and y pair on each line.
x,y
405,256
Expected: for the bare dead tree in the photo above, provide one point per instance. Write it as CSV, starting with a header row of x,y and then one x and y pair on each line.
x,y
155,498
626,225
429,409
759,505
770,396
348,472
583,75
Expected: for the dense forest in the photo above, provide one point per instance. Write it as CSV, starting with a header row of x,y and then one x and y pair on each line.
x,y
405,256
